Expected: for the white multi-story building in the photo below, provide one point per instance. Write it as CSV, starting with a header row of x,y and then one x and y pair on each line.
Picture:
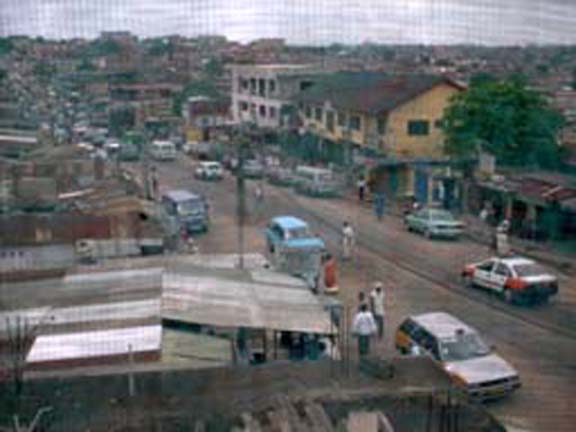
x,y
262,93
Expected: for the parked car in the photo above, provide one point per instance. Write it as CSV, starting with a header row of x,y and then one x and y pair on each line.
x,y
253,168
292,248
163,150
434,223
461,352
516,279
209,171
280,176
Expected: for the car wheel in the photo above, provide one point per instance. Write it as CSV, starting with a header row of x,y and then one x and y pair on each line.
x,y
427,233
508,296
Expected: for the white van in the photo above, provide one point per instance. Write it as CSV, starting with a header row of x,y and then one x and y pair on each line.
x,y
316,181
163,150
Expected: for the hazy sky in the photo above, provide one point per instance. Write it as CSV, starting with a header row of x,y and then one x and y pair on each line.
x,y
303,21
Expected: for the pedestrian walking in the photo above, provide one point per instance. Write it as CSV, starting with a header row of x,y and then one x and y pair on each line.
x,y
379,202
363,328
153,184
184,238
361,186
259,193
329,269
348,241
502,245
258,200
377,303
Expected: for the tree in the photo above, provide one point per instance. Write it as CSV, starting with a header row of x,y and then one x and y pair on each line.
x,y
195,88
120,119
506,119
213,68
6,46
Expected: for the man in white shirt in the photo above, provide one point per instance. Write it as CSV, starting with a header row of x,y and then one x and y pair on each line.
x,y
363,328
348,241
377,300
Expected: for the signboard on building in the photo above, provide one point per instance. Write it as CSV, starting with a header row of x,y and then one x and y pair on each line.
x,y
487,164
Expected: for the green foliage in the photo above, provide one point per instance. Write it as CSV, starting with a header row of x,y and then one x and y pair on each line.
x,y
128,77
505,119
86,66
195,88
44,71
159,47
6,46
100,47
213,68
120,119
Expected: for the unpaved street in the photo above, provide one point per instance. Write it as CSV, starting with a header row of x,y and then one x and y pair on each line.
x,y
419,275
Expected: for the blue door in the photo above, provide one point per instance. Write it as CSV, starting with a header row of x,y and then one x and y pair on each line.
x,y
393,181
421,186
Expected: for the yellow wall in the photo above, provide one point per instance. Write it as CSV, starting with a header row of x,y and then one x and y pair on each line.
x,y
193,134
338,134
428,106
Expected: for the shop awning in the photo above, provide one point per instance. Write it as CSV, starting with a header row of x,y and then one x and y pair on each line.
x,y
256,299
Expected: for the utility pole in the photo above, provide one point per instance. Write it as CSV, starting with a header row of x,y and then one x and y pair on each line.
x,y
241,200
243,142
145,159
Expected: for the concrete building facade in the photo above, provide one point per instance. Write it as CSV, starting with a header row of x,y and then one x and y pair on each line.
x,y
263,93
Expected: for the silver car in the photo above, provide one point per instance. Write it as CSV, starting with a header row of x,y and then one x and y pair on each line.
x,y
461,352
253,168
434,223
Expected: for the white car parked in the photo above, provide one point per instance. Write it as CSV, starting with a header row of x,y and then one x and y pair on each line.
x,y
209,171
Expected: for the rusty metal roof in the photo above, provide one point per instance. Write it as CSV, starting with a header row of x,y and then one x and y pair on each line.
x,y
369,92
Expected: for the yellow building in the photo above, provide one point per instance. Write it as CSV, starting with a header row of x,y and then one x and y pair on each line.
x,y
395,118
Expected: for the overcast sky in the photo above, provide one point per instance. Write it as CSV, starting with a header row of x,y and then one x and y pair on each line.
x,y
500,22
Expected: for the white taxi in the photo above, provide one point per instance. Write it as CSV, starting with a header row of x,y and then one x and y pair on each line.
x,y
516,279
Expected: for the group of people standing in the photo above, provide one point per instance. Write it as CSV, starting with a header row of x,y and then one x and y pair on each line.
x,y
369,320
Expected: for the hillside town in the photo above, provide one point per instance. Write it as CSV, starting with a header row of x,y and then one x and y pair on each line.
x,y
202,234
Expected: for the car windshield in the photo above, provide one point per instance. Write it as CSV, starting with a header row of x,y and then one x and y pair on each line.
x,y
298,233
441,215
524,270
464,347
191,206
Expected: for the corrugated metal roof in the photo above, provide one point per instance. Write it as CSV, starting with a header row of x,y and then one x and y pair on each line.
x,y
234,301
94,344
369,92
